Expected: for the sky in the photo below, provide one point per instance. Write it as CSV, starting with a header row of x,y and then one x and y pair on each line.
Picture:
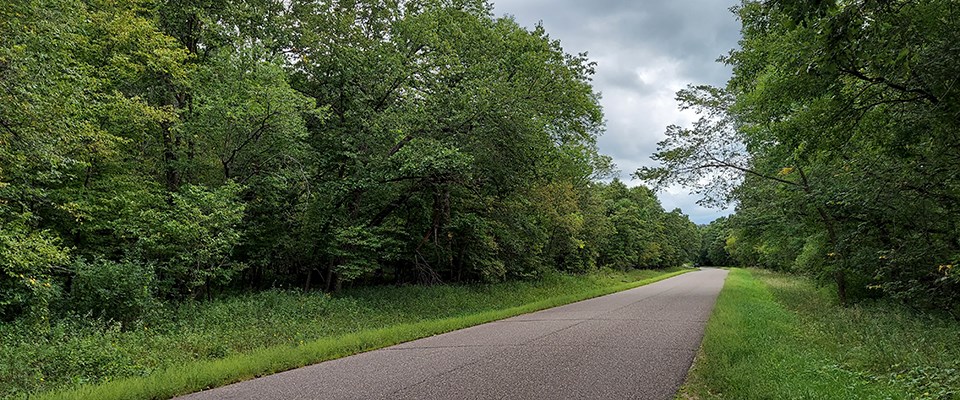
x,y
645,51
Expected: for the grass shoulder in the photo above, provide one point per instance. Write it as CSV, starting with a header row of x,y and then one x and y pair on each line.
x,y
778,336
210,344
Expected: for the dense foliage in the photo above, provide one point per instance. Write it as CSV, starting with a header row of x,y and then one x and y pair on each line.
x,y
838,138
716,243
162,150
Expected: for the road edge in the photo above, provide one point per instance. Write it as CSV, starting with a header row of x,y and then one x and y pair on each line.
x,y
208,374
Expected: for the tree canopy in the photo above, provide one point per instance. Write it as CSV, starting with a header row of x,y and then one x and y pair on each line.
x,y
837,139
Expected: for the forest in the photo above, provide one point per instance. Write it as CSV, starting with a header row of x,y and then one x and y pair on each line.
x,y
161,152
838,139
196,192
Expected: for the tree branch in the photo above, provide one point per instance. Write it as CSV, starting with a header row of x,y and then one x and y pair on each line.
x,y
893,85
722,164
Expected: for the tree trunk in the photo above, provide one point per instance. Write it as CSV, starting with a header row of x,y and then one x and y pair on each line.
x,y
840,275
841,279
171,176
329,279
306,285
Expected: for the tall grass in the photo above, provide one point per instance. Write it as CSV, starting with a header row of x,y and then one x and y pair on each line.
x,y
776,336
202,345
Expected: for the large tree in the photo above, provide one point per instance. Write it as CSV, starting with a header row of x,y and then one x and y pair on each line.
x,y
441,119
838,127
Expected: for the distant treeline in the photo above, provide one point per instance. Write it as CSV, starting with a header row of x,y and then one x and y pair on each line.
x,y
839,139
168,150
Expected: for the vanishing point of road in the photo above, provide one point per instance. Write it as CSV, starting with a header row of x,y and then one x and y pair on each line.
x,y
636,344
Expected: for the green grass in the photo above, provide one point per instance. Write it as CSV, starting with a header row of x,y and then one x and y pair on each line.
x,y
776,336
205,345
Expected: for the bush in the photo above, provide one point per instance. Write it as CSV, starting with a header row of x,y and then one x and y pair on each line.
x,y
110,290
812,255
27,260
191,243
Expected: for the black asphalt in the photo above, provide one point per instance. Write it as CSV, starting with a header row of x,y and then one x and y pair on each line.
x,y
636,344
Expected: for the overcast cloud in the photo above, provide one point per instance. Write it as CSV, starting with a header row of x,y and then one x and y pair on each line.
x,y
645,51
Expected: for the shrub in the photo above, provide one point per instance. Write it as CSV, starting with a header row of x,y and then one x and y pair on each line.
x,y
119,291
27,260
192,242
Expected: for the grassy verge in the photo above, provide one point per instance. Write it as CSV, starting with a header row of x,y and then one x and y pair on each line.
x,y
206,345
775,336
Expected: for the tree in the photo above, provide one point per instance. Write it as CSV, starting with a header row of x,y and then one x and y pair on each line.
x,y
713,245
441,116
833,130
67,115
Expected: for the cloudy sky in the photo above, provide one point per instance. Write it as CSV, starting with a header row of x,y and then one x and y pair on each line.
x,y
645,51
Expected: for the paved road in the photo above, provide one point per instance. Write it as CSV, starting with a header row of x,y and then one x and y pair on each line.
x,y
636,344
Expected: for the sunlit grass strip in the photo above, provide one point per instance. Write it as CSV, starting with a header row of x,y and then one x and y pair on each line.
x,y
193,377
754,349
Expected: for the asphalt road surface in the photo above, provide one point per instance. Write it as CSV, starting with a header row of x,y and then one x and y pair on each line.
x,y
636,344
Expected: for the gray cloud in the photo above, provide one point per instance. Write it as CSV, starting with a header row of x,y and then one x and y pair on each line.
x,y
623,76
645,51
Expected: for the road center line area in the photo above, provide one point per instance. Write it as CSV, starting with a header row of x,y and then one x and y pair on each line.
x,y
635,344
